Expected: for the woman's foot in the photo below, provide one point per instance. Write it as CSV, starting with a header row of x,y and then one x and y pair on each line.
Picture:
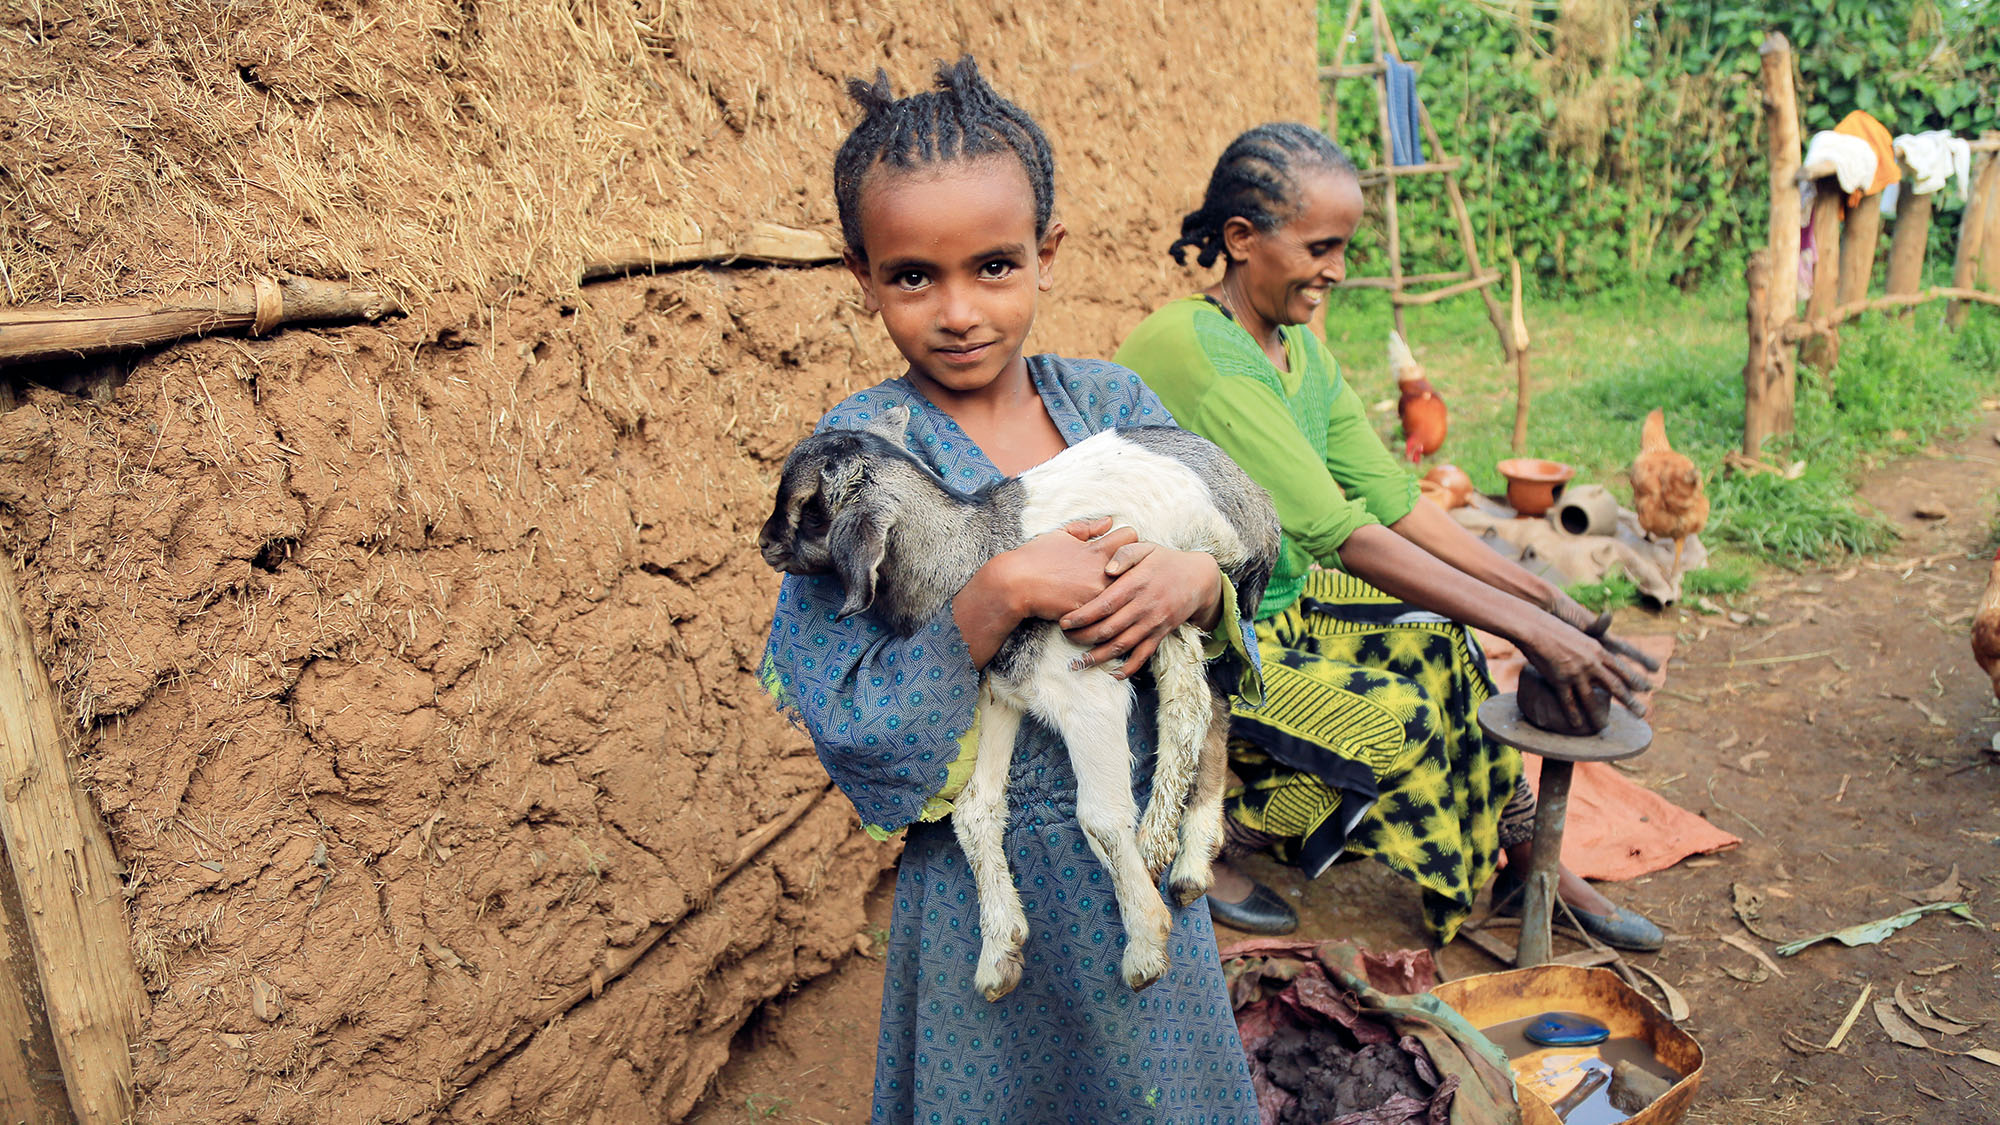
x,y
1242,903
1601,918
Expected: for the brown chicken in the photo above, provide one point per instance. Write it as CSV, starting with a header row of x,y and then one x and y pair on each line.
x,y
1986,627
1425,420
1666,489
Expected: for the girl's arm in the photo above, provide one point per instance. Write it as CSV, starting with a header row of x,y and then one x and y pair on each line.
x,y
1047,577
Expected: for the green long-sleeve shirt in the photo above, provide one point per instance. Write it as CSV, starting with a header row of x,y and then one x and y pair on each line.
x,y
1301,432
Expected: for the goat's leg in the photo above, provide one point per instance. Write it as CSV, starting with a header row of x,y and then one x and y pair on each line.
x,y
1181,724
980,823
1201,828
1089,710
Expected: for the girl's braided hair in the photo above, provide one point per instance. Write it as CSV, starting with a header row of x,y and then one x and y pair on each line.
x,y
964,118
1257,179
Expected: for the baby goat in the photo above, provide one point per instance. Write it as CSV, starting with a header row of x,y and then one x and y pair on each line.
x,y
856,504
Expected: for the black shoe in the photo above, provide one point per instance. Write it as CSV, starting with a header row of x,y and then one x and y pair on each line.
x,y
1260,912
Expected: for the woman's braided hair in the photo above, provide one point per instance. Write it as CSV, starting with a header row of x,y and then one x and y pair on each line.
x,y
1257,179
964,118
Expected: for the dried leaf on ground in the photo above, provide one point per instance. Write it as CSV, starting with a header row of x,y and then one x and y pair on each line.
x,y
1762,957
1900,1031
1920,1013
1868,933
1986,1055
1951,889
1749,906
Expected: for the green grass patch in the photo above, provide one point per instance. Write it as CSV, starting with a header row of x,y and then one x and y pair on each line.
x,y
1599,364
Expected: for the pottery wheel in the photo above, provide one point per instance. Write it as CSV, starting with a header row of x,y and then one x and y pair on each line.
x,y
1625,736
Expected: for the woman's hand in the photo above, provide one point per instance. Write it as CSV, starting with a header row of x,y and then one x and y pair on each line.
x,y
1154,590
1046,577
1566,610
1574,663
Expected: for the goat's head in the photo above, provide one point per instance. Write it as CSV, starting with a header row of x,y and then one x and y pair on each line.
x,y
828,518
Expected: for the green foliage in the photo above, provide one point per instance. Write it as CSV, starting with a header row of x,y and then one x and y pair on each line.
x,y
1612,142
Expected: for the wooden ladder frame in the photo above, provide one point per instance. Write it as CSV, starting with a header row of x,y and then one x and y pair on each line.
x,y
1474,277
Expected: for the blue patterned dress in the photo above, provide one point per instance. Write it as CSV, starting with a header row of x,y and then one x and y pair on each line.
x,y
1072,1043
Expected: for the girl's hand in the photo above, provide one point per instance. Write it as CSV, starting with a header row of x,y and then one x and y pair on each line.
x,y
1053,574
1155,590
1566,610
1574,663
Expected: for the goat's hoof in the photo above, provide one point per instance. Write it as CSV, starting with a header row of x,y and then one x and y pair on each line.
x,y
998,975
1188,888
1142,966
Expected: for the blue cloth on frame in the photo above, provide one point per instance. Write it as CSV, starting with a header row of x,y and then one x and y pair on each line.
x,y
1072,1043
1406,145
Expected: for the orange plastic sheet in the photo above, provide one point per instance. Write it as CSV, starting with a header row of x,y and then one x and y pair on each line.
x,y
1859,124
1616,828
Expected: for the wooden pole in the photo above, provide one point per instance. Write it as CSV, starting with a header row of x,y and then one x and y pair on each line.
x,y
31,1088
1801,329
1907,241
1519,340
1989,251
1972,234
1539,900
1858,241
1767,409
1388,159
68,879
61,331
1339,55
1820,352
1763,352
1436,295
767,243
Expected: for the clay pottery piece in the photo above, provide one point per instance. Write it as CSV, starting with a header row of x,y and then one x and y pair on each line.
x,y
1543,710
1534,484
1454,480
1587,509
1437,494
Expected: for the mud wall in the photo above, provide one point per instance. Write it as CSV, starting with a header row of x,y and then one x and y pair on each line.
x,y
414,664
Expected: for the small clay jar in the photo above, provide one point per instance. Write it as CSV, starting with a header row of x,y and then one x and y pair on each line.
x,y
1541,708
1534,485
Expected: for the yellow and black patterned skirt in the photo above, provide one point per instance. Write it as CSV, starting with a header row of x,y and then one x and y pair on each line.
x,y
1367,742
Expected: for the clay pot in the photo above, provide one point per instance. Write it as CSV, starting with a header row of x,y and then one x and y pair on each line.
x,y
1454,481
1534,484
1541,708
1437,494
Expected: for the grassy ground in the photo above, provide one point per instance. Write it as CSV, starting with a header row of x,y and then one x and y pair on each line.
x,y
1601,363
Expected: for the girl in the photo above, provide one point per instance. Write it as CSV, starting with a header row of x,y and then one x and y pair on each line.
x,y
1369,741
945,200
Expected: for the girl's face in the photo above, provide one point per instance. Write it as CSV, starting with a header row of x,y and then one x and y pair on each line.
x,y
1285,273
954,266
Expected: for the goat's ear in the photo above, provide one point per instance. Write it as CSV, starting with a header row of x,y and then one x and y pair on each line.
x,y
856,544
892,423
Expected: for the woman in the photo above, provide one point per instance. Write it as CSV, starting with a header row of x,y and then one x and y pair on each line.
x,y
1367,738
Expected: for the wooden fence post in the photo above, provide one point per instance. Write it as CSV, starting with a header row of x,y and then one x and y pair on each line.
x,y
1907,242
1759,364
1767,405
1972,232
1821,350
31,1088
64,868
1857,249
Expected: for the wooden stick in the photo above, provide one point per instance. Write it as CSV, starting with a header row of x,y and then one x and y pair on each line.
x,y
1339,55
618,961
1520,342
1972,234
1857,249
1381,84
1408,279
1907,241
1359,70
58,331
1762,354
1435,295
1989,252
1800,329
1767,407
1376,177
31,1088
1840,1035
763,242
1822,350
68,879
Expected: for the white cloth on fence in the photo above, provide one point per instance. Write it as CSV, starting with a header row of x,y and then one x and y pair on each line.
x,y
1934,160
1853,159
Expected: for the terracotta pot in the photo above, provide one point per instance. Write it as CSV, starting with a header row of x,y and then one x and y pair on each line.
x,y
1534,484
1454,480
1437,494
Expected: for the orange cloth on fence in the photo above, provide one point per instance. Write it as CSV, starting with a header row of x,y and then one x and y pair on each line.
x,y
1616,828
1859,124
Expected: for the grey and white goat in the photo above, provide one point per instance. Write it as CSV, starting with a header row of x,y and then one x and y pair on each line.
x,y
856,504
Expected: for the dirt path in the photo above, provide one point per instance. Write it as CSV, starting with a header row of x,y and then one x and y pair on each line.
x,y
1842,730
